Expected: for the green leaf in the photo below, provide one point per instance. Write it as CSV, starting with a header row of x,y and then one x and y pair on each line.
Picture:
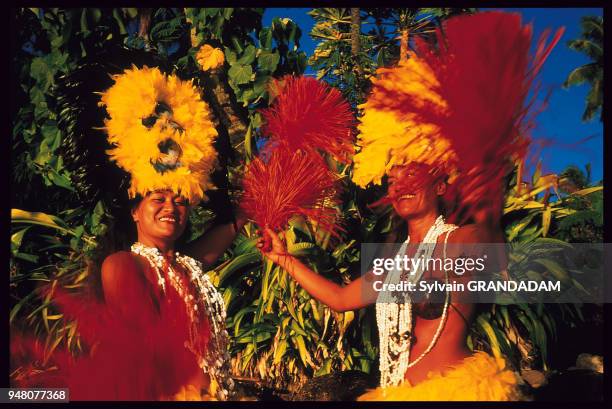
x,y
488,330
554,268
27,257
302,62
546,218
41,72
280,350
248,56
228,296
95,14
247,96
167,31
60,180
17,238
587,191
211,12
300,249
536,174
519,226
15,310
304,355
268,60
256,120
240,74
294,33
237,44
217,26
265,280
236,264
325,368
230,56
43,219
132,12
249,143
83,22
265,38
227,13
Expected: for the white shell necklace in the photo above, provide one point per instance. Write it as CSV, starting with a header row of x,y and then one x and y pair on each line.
x,y
215,360
394,318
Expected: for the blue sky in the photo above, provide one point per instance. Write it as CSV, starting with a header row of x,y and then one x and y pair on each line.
x,y
560,125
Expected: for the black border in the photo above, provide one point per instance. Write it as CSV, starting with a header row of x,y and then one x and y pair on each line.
x,y
5,214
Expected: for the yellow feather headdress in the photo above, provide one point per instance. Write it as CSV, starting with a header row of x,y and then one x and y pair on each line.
x,y
161,132
389,137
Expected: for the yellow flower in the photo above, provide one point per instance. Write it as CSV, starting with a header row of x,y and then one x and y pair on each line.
x,y
161,132
210,58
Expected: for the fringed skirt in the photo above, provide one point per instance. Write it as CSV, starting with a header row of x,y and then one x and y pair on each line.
x,y
480,377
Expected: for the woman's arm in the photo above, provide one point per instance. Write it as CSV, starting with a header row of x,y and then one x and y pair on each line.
x,y
357,294
211,245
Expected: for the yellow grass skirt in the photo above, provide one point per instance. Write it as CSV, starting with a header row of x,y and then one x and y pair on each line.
x,y
479,377
191,393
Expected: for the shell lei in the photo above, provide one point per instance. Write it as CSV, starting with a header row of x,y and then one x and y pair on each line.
x,y
394,318
215,359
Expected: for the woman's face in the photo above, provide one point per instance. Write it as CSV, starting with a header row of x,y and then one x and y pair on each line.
x,y
413,190
161,215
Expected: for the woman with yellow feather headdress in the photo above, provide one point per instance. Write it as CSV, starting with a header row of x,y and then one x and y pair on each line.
x,y
448,122
160,333
162,134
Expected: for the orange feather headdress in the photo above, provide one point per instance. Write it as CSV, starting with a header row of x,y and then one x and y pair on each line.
x,y
461,106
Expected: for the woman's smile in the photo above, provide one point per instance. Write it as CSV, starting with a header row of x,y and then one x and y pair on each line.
x,y
168,219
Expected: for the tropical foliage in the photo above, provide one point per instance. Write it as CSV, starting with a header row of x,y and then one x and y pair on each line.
x,y
590,43
537,220
72,212
348,66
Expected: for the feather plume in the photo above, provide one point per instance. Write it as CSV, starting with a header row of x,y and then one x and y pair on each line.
x,y
308,114
138,356
282,183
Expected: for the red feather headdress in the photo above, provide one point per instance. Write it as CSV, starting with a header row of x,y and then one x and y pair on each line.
x,y
462,107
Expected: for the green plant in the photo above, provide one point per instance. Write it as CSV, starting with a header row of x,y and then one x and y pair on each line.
x,y
281,335
524,332
591,44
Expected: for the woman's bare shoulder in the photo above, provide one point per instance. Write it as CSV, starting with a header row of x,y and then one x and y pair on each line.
x,y
124,283
471,233
123,266
120,259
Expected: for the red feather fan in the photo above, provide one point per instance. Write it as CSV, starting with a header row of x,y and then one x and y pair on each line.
x,y
485,74
139,356
309,114
283,183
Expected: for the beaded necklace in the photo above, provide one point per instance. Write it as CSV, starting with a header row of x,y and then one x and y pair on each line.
x,y
213,358
394,317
